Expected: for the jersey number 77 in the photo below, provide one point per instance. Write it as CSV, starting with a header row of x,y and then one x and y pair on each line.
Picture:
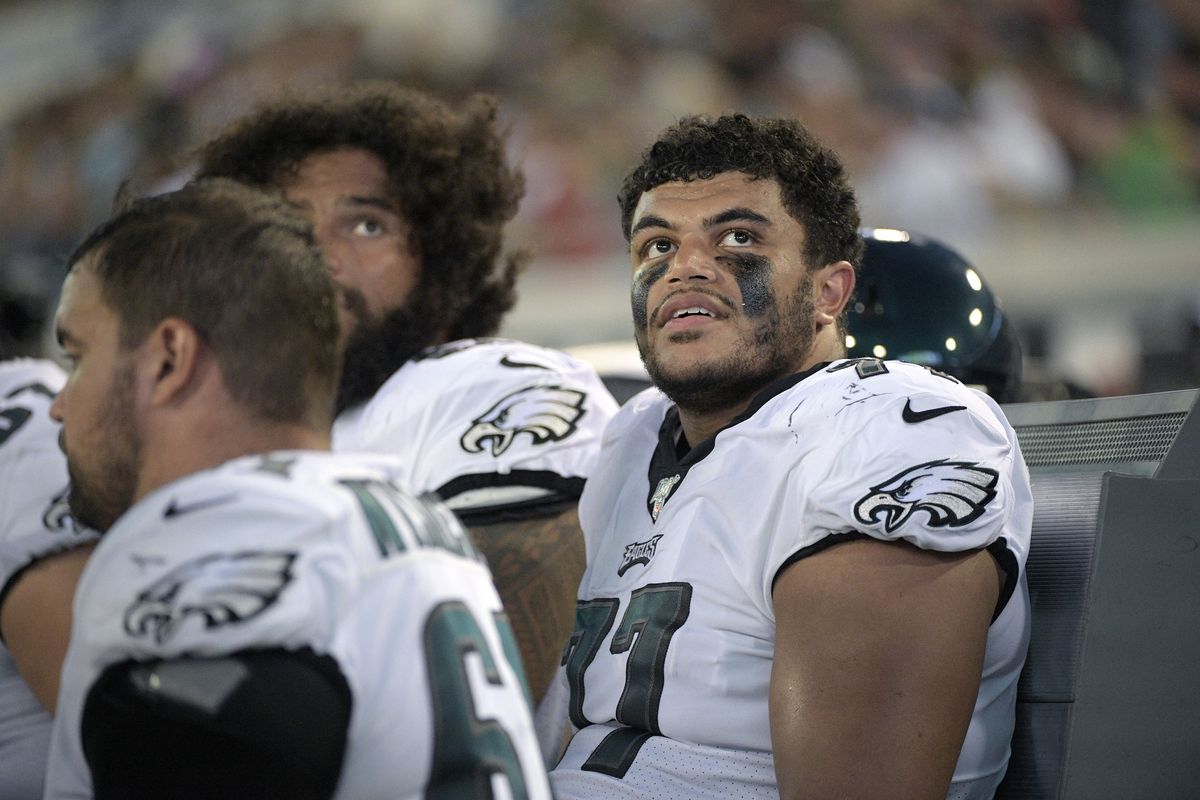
x,y
654,613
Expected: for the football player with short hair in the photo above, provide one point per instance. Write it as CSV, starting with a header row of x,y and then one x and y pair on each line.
x,y
262,618
409,198
805,572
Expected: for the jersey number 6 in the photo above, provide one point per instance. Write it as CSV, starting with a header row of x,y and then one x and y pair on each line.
x,y
467,751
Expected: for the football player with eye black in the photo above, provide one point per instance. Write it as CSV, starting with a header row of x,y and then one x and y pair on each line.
x,y
805,572
409,197
262,618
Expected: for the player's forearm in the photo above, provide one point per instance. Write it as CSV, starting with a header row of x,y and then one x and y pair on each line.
x,y
536,565
36,620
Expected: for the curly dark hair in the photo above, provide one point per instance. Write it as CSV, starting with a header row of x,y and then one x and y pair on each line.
x,y
447,172
811,177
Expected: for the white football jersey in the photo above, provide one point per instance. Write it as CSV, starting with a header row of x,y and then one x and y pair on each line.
x,y
485,423
311,550
33,522
670,663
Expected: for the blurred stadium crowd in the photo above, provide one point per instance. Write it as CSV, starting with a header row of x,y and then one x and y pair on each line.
x,y
964,120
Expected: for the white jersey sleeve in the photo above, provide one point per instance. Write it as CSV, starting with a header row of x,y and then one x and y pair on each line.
x,y
34,520
488,425
320,552
33,523
903,455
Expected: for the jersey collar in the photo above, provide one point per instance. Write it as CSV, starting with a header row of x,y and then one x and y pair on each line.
x,y
672,459
673,448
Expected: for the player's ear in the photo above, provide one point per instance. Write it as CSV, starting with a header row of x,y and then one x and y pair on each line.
x,y
170,359
834,286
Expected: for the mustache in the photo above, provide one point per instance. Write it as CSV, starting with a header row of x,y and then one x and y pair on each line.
x,y
354,300
720,298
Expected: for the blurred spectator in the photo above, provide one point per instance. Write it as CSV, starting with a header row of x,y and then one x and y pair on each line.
x,y
1099,351
1174,361
961,120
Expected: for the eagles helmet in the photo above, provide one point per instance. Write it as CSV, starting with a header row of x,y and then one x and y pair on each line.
x,y
918,300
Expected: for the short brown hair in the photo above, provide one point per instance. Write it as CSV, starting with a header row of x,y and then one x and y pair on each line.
x,y
447,172
242,269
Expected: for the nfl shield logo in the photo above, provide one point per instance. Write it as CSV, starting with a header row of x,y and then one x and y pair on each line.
x,y
661,493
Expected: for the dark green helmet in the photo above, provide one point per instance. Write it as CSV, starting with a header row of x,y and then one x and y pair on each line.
x,y
918,300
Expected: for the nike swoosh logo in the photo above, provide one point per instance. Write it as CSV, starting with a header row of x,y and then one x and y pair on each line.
x,y
175,509
508,362
912,417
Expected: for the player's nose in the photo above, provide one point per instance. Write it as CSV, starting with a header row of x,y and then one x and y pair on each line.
x,y
694,261
56,412
335,259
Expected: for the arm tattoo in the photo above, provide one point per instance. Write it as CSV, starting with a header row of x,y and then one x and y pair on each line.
x,y
537,565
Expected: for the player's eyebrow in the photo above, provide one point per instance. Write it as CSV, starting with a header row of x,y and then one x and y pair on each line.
x,y
369,201
739,214
649,221
353,201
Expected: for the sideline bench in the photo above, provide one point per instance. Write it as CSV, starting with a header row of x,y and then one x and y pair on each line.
x,y
1109,700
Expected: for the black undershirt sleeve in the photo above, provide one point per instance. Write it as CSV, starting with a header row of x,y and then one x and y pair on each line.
x,y
558,494
255,724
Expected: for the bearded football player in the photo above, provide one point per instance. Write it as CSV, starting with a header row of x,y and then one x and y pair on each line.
x,y
409,198
806,572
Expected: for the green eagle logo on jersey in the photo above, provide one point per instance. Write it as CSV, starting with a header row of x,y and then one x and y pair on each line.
x,y
950,493
545,413
220,589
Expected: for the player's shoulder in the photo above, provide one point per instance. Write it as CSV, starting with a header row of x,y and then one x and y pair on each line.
x,y
472,370
303,490
498,382
644,412
890,376
858,390
268,511
496,358
284,486
27,388
34,517
459,348
225,544
312,476
489,350
863,416
208,561
897,451
26,381
31,463
16,373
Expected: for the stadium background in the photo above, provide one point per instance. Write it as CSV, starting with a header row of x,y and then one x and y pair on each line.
x,y
1055,142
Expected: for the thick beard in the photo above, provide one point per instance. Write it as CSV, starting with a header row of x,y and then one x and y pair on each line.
x,y
779,341
100,496
376,350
